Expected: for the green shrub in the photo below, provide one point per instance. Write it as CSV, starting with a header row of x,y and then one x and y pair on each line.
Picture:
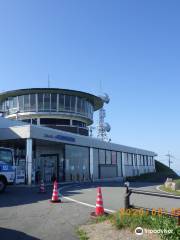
x,y
132,221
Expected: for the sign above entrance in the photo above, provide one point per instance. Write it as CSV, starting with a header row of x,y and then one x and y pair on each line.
x,y
60,137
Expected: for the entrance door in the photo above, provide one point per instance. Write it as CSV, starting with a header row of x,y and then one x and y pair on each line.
x,y
49,167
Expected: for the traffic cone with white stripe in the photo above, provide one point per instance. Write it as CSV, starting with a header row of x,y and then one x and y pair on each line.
x,y
55,195
99,203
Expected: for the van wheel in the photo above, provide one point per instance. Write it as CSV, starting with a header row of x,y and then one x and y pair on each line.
x,y
2,185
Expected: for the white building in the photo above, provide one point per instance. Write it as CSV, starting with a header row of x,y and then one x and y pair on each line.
x,y
40,145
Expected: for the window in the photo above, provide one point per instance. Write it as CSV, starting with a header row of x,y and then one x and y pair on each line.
x,y
130,159
46,101
73,103
101,156
21,103
83,106
114,158
78,104
125,159
53,102
76,162
40,102
53,121
26,103
6,156
135,159
61,102
139,159
14,102
143,160
78,123
67,102
33,102
108,157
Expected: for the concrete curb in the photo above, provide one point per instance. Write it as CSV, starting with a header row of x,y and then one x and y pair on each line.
x,y
37,185
158,188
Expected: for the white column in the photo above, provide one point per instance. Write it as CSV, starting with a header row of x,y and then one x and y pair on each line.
x,y
91,163
29,161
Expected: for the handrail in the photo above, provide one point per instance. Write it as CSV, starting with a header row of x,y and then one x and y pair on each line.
x,y
153,193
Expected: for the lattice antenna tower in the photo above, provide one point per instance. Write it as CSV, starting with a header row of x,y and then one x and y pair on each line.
x,y
103,127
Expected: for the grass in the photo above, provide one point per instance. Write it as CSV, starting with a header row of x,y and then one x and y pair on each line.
x,y
131,220
169,190
81,234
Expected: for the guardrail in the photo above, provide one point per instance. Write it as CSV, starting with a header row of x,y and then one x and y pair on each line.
x,y
127,204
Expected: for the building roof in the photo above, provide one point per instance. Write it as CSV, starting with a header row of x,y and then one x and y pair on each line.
x,y
94,100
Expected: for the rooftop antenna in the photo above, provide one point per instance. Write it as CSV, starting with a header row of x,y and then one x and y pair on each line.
x,y
48,80
103,127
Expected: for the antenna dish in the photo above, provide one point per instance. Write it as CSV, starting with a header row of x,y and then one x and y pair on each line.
x,y
105,98
107,127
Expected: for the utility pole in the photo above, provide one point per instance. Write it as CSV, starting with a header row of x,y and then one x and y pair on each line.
x,y
169,159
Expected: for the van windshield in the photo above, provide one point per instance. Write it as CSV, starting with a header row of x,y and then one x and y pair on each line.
x,y
6,156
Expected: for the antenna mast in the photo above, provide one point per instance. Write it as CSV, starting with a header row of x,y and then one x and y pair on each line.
x,y
103,127
48,81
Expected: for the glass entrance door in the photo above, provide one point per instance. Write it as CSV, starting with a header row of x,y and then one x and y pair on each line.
x,y
49,167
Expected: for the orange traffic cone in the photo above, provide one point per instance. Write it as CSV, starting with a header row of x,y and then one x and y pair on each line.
x,y
99,203
42,187
55,195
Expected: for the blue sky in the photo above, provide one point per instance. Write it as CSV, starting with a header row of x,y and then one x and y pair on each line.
x,y
132,46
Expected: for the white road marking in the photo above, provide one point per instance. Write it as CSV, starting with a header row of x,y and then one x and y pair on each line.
x,y
158,188
87,204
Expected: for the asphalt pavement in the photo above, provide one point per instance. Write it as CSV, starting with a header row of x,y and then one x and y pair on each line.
x,y
26,214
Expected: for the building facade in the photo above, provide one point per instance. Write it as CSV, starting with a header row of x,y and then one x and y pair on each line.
x,y
68,156
63,109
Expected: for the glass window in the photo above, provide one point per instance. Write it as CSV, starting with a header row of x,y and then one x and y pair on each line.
x,y
130,159
46,101
108,157
78,104
10,102
14,102
114,158
135,159
101,156
21,103
40,102
67,102
33,102
76,162
144,160
61,102
6,156
83,106
53,102
73,103
26,103
138,159
125,159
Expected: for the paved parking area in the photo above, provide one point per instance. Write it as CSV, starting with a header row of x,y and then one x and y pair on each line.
x,y
25,214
